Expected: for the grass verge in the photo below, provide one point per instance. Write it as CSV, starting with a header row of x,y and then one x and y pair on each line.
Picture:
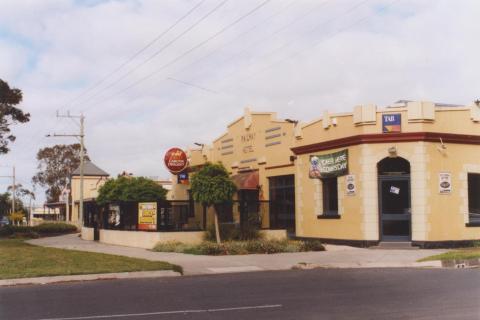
x,y
22,260
461,254
260,246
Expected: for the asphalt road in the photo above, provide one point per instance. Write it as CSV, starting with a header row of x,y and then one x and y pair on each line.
x,y
314,294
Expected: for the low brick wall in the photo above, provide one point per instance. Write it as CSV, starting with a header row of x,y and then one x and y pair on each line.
x,y
147,240
87,233
274,234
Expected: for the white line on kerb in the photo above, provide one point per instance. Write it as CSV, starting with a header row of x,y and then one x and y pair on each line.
x,y
126,315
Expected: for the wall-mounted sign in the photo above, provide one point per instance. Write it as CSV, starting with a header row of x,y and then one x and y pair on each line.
x,y
350,185
175,160
445,183
391,123
182,178
147,216
114,215
329,165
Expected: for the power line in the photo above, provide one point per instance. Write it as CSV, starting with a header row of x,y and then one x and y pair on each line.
x,y
315,44
157,52
126,62
185,53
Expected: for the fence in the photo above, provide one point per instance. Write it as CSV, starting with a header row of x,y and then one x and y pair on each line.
x,y
181,215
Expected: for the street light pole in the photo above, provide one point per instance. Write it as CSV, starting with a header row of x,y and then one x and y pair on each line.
x,y
13,189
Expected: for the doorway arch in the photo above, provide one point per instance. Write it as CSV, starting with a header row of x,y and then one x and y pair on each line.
x,y
394,197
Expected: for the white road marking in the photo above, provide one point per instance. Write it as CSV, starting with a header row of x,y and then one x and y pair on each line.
x,y
235,269
126,315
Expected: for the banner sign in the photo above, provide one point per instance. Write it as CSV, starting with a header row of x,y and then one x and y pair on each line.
x,y
175,160
329,165
445,183
147,216
351,188
392,123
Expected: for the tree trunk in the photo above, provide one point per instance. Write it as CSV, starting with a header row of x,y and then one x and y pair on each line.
x,y
217,230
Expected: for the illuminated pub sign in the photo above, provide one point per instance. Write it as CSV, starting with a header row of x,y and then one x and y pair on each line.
x,y
147,216
329,165
391,123
175,160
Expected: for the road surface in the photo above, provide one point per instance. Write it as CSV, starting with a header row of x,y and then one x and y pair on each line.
x,y
308,294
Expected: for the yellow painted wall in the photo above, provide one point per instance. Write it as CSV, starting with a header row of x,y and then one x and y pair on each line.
x,y
435,217
91,184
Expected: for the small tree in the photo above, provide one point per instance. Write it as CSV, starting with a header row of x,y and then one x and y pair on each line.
x,y
130,189
212,185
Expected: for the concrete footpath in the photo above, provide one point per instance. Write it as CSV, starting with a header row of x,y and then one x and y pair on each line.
x,y
334,257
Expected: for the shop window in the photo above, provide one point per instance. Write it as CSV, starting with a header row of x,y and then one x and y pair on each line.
x,y
330,196
474,197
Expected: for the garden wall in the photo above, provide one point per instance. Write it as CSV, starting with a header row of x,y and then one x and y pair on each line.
x,y
147,240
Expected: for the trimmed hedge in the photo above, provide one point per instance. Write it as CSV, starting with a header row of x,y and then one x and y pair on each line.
x,y
43,229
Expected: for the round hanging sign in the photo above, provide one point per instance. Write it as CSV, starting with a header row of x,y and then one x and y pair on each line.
x,y
175,160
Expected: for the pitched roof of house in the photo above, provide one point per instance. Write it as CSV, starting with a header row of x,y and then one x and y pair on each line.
x,y
90,169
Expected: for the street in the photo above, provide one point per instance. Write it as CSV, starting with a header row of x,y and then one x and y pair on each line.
x,y
313,294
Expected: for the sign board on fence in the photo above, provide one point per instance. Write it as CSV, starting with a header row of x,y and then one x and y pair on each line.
x,y
329,165
147,216
445,182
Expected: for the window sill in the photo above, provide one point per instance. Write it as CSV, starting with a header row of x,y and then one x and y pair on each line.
x,y
328,216
472,224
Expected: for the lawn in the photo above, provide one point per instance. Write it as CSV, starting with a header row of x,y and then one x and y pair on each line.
x,y
461,254
21,260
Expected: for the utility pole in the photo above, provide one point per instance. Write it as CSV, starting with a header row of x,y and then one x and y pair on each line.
x,y
79,136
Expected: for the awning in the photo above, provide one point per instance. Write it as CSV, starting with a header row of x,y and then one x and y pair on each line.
x,y
246,180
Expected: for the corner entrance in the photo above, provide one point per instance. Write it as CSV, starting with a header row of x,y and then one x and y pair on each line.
x,y
394,199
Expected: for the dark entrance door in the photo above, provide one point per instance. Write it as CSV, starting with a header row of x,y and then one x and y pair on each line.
x,y
394,199
249,205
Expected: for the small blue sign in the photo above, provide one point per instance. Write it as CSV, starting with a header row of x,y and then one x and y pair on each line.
x,y
392,123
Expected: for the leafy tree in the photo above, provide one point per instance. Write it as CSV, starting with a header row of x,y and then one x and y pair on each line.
x,y
6,204
9,114
211,186
55,165
130,189
21,192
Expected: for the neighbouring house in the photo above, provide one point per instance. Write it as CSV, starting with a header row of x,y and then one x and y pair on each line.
x,y
94,178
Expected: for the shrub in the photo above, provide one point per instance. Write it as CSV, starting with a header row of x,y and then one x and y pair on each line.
x,y
50,228
36,231
262,246
230,232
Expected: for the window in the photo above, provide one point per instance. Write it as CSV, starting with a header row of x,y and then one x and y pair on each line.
x,y
330,196
474,197
282,202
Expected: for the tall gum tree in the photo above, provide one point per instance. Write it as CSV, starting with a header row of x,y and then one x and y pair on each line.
x,y
55,165
9,114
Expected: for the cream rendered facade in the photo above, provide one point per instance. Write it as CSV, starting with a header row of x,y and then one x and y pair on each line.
x,y
433,139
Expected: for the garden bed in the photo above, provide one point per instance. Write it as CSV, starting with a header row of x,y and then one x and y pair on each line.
x,y
260,246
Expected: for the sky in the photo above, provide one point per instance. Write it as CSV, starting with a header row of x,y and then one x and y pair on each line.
x,y
149,75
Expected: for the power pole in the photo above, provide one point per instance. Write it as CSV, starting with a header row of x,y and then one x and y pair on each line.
x,y
79,136
13,187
